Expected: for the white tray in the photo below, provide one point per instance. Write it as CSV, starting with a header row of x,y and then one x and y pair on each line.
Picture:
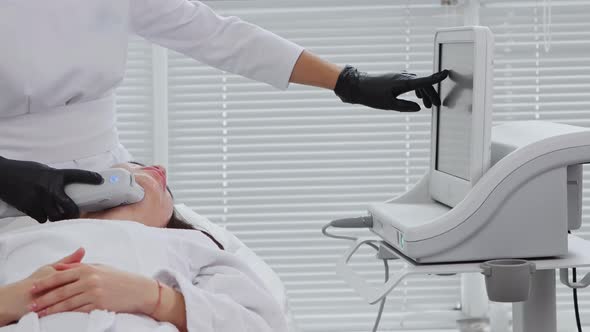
x,y
578,256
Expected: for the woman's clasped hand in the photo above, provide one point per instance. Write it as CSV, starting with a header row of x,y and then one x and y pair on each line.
x,y
72,286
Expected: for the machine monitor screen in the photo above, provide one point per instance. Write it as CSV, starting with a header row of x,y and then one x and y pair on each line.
x,y
453,152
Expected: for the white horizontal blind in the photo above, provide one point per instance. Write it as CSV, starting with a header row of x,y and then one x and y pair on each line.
x,y
196,121
532,82
275,166
135,102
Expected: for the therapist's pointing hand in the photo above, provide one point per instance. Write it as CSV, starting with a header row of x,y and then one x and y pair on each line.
x,y
38,190
382,91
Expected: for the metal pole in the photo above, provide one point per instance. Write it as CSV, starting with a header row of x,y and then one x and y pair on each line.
x,y
539,312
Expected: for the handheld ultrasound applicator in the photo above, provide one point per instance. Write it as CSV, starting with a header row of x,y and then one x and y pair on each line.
x,y
118,188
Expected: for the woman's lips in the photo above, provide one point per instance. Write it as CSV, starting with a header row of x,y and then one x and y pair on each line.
x,y
159,172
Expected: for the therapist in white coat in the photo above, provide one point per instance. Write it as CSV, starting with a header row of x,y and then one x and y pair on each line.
x,y
61,61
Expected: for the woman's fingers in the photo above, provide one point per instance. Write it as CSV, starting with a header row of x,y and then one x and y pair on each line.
x,y
55,280
74,303
56,296
76,257
63,267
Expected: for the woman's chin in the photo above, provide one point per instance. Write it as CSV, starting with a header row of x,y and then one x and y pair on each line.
x,y
105,214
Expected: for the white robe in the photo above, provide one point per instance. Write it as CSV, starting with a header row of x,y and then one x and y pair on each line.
x,y
220,291
61,60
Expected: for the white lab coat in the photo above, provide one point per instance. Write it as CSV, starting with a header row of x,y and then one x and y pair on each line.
x,y
61,60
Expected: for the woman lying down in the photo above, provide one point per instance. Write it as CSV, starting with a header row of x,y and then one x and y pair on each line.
x,y
119,270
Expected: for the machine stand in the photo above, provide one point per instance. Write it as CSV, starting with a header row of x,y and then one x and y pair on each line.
x,y
538,313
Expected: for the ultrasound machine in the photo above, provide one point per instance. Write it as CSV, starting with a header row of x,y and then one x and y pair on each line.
x,y
497,200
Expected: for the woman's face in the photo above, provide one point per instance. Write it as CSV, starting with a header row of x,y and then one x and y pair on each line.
x,y
156,207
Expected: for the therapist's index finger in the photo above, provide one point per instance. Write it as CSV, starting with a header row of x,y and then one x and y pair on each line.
x,y
55,280
431,80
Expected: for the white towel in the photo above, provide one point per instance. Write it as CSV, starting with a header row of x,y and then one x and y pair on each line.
x,y
221,292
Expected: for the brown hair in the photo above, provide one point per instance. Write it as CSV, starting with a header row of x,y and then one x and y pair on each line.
x,y
176,222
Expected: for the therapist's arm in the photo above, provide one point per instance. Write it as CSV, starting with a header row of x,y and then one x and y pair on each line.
x,y
379,91
312,70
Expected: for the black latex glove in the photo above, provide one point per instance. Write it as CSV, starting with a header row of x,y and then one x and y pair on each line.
x,y
38,190
381,91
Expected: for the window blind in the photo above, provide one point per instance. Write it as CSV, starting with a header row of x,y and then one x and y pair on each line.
x,y
135,102
542,71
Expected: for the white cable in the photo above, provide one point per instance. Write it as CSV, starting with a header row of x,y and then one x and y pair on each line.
x,y
382,304
344,237
385,264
